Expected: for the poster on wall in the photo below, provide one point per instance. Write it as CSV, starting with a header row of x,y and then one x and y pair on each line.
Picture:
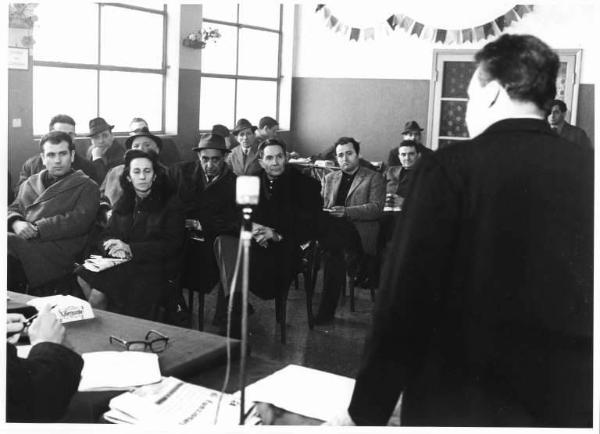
x,y
18,58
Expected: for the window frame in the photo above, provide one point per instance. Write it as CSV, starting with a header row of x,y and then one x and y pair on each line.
x,y
99,67
277,79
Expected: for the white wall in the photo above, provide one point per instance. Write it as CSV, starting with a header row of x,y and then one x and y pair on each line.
x,y
322,53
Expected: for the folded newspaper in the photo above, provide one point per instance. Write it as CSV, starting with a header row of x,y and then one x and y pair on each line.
x,y
174,402
98,263
66,307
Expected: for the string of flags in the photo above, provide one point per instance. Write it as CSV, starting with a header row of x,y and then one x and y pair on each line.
x,y
423,31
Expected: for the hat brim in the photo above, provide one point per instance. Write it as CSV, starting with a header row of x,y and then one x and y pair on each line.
x,y
198,149
104,128
236,131
412,129
156,140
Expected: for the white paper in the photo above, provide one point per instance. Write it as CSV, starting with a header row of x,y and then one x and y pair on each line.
x,y
173,402
23,351
106,370
294,387
67,308
98,263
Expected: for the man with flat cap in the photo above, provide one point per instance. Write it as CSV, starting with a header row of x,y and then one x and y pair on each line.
x,y
411,131
141,139
243,159
206,188
105,152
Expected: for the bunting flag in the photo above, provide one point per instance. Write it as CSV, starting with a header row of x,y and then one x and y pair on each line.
x,y
392,21
422,30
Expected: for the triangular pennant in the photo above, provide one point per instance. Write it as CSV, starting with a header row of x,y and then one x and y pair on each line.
x,y
354,34
392,21
369,33
488,30
428,33
509,17
333,20
520,10
319,7
417,29
500,22
440,36
479,34
452,37
467,35
326,13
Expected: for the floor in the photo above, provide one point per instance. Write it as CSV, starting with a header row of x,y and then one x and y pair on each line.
x,y
334,348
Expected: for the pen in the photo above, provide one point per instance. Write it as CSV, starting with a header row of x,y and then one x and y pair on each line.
x,y
28,322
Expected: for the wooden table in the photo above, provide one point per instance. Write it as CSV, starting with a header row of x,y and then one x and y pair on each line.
x,y
188,352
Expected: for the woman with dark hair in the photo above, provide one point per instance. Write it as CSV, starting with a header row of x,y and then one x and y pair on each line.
x,y
146,227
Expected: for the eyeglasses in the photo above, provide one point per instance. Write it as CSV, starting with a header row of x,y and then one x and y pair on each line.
x,y
156,345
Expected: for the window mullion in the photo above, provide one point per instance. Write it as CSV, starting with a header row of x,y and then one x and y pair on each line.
x,y
237,64
99,59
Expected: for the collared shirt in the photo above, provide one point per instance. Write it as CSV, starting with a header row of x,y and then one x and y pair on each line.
x,y
48,180
345,183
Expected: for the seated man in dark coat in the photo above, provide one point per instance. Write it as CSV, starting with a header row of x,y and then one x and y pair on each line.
x,y
285,218
39,387
398,177
105,152
34,165
49,221
557,122
412,131
206,187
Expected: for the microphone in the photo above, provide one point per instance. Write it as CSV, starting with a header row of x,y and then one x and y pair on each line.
x,y
247,190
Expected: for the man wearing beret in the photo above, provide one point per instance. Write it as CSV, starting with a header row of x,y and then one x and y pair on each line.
x,y
206,187
243,159
105,152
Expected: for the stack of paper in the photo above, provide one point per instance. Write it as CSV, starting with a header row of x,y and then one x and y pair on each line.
x,y
66,307
174,402
305,391
98,263
118,370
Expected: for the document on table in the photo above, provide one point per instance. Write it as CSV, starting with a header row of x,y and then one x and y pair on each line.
x,y
115,370
66,307
174,402
98,263
305,391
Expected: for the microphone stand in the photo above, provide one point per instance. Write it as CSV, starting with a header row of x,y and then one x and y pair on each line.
x,y
245,239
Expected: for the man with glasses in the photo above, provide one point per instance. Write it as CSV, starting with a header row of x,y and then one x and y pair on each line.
x,y
33,165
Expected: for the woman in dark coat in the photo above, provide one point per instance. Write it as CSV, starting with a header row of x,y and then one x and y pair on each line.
x,y
146,227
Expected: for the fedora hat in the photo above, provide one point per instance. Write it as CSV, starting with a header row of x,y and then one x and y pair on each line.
x,y
97,125
411,126
242,124
221,130
143,132
211,141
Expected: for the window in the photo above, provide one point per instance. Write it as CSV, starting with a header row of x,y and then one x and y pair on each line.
x,y
110,61
448,93
241,72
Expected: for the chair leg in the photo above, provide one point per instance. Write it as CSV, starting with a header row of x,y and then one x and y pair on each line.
x,y
308,288
350,286
201,311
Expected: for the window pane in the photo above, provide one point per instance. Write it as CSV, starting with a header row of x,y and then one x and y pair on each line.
x,y
63,90
256,99
131,38
452,119
258,62
457,76
125,95
217,96
260,14
219,57
220,11
59,36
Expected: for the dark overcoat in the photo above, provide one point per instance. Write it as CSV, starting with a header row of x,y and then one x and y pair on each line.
x,y
485,311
